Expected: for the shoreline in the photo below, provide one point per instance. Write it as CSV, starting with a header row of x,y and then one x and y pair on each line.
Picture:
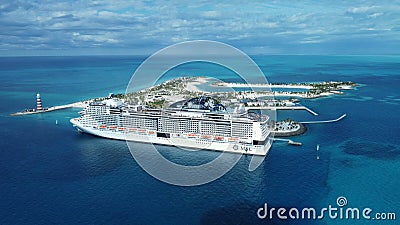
x,y
243,85
192,85
182,88
314,90
301,107
300,131
338,84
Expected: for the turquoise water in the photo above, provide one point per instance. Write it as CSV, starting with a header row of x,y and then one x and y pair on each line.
x,y
50,174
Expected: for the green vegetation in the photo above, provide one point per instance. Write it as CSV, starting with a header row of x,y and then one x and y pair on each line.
x,y
156,105
120,96
176,89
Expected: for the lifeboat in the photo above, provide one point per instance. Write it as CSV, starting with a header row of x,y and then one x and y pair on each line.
x,y
151,132
192,135
142,131
102,127
233,139
132,129
205,136
218,138
112,127
121,128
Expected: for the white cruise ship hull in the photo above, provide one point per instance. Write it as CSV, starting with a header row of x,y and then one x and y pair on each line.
x,y
178,140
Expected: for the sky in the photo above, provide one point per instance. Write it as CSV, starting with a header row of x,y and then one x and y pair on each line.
x,y
122,27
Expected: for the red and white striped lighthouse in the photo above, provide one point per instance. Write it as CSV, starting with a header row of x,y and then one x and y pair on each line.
x,y
38,102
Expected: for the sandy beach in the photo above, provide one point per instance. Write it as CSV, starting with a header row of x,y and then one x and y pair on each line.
x,y
192,85
242,85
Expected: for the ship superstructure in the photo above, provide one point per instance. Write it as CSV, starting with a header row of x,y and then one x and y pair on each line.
x,y
211,128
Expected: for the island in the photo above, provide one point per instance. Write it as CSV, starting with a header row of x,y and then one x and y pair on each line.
x,y
176,92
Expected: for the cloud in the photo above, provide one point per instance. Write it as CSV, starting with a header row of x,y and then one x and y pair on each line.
x,y
211,14
256,26
97,38
361,9
375,15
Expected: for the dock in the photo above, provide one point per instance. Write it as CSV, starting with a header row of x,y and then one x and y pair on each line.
x,y
297,107
50,109
325,121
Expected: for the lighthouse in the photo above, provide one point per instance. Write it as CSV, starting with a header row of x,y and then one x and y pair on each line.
x,y
38,102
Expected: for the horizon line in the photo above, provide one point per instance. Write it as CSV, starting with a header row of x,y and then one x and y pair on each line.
x,y
148,55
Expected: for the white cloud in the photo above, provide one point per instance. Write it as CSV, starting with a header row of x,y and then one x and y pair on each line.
x,y
374,15
98,38
311,40
128,24
211,14
361,9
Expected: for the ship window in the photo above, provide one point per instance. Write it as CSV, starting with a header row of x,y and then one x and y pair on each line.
x,y
164,135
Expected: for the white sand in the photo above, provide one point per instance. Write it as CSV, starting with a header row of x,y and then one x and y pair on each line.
x,y
264,85
192,85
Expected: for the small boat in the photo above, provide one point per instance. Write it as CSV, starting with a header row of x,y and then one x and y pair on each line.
x,y
233,139
294,143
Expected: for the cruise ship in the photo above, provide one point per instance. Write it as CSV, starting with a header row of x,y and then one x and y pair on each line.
x,y
197,124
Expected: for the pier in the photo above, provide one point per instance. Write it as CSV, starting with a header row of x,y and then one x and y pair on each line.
x,y
297,107
40,109
50,109
324,121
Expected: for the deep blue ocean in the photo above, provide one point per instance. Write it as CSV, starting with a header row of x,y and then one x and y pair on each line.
x,y
51,174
